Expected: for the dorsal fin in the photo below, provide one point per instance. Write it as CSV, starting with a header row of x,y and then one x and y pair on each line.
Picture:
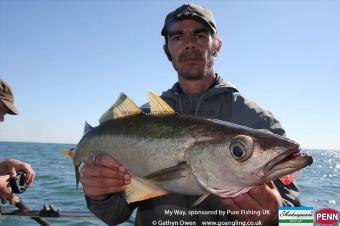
x,y
158,106
123,107
87,128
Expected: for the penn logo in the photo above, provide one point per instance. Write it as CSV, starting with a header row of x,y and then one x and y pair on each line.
x,y
327,216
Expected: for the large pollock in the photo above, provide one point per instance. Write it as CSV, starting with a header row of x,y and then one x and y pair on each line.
x,y
167,152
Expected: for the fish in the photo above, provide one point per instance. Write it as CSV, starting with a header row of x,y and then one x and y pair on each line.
x,y
167,152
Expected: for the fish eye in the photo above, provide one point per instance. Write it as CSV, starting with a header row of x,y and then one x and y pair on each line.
x,y
241,148
238,151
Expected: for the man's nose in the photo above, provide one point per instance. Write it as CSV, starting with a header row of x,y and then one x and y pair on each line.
x,y
190,42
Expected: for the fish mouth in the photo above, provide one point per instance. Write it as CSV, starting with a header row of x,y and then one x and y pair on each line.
x,y
286,163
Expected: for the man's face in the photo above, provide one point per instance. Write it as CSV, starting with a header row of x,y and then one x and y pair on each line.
x,y
191,48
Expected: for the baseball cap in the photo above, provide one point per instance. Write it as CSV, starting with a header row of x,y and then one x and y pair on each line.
x,y
190,11
7,98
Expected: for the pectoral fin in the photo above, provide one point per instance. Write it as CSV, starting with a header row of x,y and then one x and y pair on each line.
x,y
169,174
139,190
147,187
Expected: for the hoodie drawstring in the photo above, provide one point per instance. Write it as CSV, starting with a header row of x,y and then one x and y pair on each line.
x,y
197,107
199,104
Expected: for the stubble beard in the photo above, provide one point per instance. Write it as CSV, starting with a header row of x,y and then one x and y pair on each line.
x,y
195,74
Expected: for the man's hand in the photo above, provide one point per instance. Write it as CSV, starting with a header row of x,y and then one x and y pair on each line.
x,y
5,191
260,199
107,176
11,166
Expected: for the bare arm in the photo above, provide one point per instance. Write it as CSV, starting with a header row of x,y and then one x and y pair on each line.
x,y
10,166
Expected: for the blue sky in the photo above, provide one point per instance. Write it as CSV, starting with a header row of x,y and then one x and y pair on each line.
x,y
67,62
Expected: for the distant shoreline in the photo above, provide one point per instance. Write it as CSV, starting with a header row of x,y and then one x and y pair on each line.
x,y
36,142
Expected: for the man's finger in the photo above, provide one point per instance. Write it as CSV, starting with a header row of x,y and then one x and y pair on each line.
x,y
12,172
11,199
30,174
103,160
102,182
103,172
95,191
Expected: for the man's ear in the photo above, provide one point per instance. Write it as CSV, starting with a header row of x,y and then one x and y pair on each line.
x,y
217,46
167,53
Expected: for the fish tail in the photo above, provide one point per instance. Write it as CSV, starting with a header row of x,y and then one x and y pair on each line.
x,y
68,153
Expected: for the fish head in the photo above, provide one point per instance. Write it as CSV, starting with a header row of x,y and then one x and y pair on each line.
x,y
230,163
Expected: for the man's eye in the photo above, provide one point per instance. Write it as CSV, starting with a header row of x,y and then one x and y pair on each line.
x,y
176,38
200,36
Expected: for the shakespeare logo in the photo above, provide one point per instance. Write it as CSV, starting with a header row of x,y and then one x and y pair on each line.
x,y
296,216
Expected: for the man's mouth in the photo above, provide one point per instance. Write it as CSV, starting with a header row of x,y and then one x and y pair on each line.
x,y
192,59
194,55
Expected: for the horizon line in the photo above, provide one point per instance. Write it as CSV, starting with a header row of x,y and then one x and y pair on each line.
x,y
40,142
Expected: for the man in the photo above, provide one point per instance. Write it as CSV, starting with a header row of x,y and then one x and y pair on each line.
x,y
191,44
9,167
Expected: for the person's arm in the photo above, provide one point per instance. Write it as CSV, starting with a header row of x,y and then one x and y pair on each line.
x,y
11,166
3,168
103,184
5,192
8,169
113,210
